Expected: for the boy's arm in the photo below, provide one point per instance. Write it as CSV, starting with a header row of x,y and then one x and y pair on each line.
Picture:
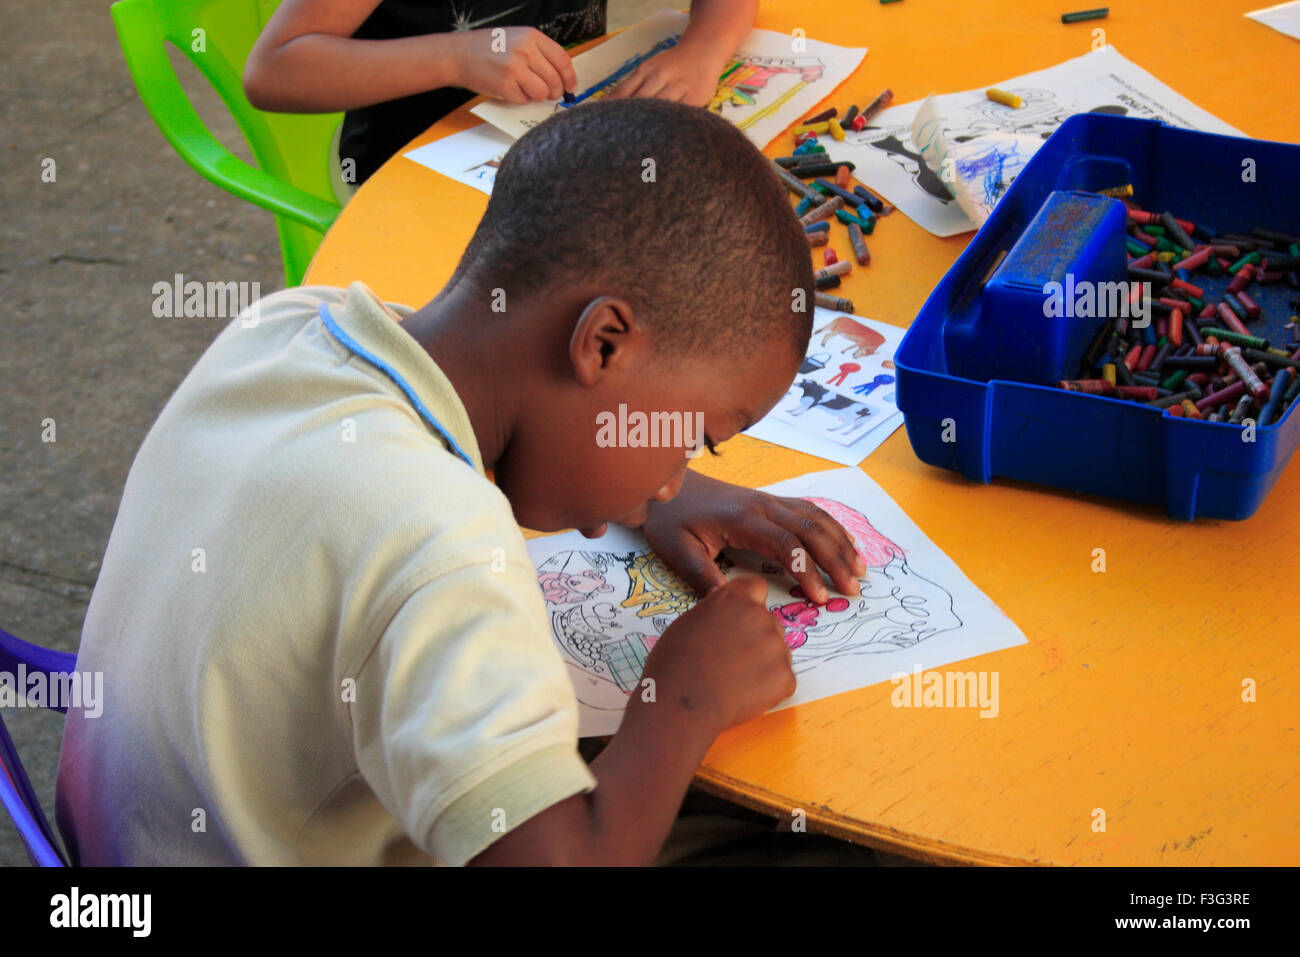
x,y
306,61
688,73
642,776
719,664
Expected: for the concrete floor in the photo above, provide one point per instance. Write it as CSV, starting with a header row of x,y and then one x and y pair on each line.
x,y
78,341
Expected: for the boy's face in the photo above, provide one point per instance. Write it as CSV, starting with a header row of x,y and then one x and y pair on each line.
x,y
603,450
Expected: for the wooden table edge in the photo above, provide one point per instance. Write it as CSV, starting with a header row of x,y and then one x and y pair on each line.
x,y
845,829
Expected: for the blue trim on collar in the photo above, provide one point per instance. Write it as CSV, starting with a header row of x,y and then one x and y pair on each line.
x,y
337,332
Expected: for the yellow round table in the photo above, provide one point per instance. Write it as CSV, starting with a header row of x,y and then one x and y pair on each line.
x,y
1130,698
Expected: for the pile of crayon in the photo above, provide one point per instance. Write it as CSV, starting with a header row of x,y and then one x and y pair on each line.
x,y
826,199
1198,356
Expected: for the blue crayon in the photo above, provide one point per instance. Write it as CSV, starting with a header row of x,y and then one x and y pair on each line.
x,y
623,70
850,199
817,227
569,98
1280,382
871,200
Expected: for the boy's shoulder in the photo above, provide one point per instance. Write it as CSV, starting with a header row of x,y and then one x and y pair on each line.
x,y
287,422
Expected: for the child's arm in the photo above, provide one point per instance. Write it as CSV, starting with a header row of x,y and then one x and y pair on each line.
x,y
721,663
305,61
688,72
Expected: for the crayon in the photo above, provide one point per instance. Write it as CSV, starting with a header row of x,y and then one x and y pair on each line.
x,y
1174,230
795,185
875,106
825,211
821,117
835,269
1274,406
859,244
833,303
1254,384
1003,97
807,170
821,127
829,188
870,199
1080,15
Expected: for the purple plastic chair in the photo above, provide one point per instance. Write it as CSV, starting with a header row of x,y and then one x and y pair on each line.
x,y
15,790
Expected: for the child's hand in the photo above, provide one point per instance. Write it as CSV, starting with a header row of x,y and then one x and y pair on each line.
x,y
706,516
724,661
680,74
531,67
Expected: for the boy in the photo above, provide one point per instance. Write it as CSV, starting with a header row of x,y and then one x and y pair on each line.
x,y
322,637
397,66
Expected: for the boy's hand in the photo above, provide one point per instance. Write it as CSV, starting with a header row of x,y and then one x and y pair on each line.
x,y
681,74
531,67
723,662
707,515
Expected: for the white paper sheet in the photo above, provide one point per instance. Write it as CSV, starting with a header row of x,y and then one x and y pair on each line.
x,y
470,156
775,81
1284,18
609,600
978,171
841,405
1101,81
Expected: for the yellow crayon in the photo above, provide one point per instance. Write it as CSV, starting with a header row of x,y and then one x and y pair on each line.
x,y
837,131
811,128
1005,98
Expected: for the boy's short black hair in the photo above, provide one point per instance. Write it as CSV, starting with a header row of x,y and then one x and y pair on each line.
x,y
668,206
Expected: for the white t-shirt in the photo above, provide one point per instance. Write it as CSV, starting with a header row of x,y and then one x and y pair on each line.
x,y
321,636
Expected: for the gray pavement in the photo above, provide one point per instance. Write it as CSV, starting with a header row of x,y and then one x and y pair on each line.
x,y
79,343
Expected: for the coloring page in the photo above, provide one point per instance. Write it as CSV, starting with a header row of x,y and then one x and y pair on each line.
x,y
471,156
610,599
767,85
841,404
1284,18
888,159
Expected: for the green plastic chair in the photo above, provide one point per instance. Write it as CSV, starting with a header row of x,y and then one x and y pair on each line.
x,y
297,179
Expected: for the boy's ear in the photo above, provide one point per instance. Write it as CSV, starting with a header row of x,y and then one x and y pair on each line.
x,y
606,335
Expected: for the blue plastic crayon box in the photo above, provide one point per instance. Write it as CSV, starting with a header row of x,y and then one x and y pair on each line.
x,y
977,370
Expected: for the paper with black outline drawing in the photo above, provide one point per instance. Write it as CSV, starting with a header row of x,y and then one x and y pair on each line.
x,y
887,159
771,70
609,599
470,156
840,406
1284,18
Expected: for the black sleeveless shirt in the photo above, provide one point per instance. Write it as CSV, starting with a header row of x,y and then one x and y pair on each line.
x,y
372,134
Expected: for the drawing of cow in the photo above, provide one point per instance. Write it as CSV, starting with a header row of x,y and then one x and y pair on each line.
x,y
865,338
850,413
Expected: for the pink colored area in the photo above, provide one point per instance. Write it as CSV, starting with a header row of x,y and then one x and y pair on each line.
x,y
876,550
797,617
